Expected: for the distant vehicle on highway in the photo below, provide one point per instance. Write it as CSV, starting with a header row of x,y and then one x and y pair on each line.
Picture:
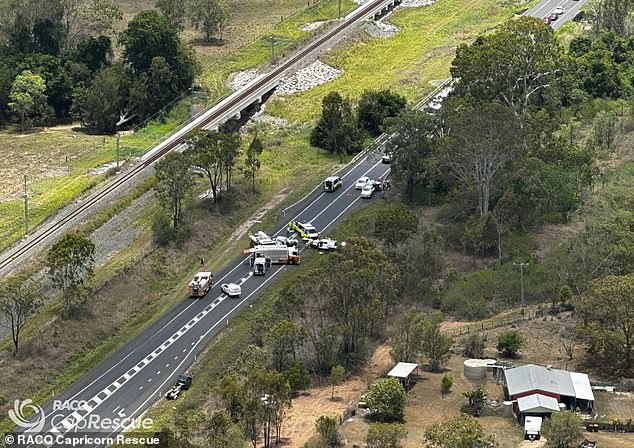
x,y
387,157
332,183
183,383
231,289
547,20
559,10
200,284
361,182
553,16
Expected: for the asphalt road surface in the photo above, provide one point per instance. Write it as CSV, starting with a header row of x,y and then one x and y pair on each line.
x,y
544,8
139,373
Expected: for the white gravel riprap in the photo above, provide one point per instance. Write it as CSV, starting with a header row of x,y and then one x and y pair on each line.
x,y
416,3
312,25
306,78
381,29
240,79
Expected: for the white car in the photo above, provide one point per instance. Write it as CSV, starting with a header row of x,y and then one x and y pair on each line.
x,y
324,244
231,289
367,191
361,182
286,241
559,10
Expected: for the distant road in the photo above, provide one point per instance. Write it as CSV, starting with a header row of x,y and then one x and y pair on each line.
x,y
545,7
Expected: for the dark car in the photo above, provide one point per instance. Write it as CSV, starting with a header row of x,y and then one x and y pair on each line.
x,y
553,16
184,380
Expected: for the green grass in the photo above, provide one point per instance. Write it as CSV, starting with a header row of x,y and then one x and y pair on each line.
x,y
420,52
288,36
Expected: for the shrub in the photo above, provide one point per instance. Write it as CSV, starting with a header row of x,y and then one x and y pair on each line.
x,y
510,343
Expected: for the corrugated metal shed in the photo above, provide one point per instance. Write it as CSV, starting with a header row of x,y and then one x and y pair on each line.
x,y
402,370
531,377
538,403
581,384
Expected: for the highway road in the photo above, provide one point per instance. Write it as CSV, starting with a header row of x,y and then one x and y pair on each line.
x,y
138,374
544,8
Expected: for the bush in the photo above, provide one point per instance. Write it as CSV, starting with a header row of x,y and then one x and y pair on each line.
x,y
510,343
446,382
385,435
386,399
327,429
474,346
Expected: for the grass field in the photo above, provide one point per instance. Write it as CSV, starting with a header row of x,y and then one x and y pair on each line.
x,y
419,53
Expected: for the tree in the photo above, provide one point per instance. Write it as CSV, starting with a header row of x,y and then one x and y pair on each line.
x,y
604,129
395,223
475,401
27,96
252,161
94,52
336,378
385,435
19,299
205,149
462,431
386,398
613,15
174,183
375,106
151,35
327,429
98,106
483,140
606,315
435,345
223,433
407,339
412,148
474,346
446,382
562,430
175,11
285,338
510,343
511,65
337,130
70,262
209,16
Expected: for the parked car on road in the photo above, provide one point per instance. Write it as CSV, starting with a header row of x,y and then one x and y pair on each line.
x,y
231,289
367,191
361,182
182,383
559,10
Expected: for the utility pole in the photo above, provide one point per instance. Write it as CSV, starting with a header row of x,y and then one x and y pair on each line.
x,y
273,50
118,137
26,210
522,266
339,9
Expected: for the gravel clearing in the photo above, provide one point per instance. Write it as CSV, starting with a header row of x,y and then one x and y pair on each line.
x,y
240,79
381,29
313,25
261,118
306,78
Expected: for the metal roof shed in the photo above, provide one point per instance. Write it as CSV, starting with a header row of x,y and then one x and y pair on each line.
x,y
537,404
581,385
402,370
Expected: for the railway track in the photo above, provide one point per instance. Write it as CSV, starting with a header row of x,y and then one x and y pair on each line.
x,y
204,120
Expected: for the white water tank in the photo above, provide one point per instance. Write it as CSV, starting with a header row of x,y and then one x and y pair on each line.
x,y
476,369
507,408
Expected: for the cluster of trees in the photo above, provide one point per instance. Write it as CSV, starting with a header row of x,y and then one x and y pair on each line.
x,y
70,264
208,16
212,153
56,60
497,148
342,130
